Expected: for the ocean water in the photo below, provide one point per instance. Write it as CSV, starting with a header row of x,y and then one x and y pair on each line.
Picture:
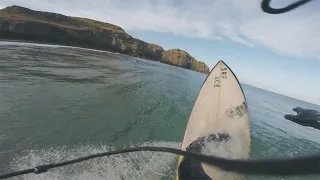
x,y
59,103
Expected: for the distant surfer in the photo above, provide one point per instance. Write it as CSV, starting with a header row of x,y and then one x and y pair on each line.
x,y
305,117
137,60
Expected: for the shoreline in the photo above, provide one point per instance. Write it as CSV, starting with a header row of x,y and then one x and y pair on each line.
x,y
41,27
56,44
86,48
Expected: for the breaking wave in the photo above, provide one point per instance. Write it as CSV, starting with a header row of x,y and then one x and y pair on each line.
x,y
135,165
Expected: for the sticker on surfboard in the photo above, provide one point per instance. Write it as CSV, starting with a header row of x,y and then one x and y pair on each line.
x,y
218,125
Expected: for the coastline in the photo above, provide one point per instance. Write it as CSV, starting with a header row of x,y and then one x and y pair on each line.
x,y
57,44
20,24
85,48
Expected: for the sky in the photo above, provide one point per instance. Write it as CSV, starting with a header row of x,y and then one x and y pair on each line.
x,y
279,53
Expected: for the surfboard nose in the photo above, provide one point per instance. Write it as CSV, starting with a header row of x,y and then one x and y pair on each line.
x,y
221,62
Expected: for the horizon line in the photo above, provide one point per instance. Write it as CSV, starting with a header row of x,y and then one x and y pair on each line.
x,y
17,42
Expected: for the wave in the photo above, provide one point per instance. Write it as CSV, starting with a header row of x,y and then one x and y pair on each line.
x,y
136,165
8,43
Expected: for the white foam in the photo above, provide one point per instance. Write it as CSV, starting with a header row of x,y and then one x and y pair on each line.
x,y
136,165
232,149
7,43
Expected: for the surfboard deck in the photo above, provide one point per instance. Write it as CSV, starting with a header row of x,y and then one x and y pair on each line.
x,y
220,107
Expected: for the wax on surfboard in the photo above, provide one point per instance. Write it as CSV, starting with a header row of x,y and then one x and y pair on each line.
x,y
220,108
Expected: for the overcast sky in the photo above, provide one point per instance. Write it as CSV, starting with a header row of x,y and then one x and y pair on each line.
x,y
280,53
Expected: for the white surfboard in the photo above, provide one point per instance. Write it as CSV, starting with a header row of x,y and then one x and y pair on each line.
x,y
220,108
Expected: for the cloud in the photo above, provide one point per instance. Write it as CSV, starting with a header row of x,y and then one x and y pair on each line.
x,y
296,33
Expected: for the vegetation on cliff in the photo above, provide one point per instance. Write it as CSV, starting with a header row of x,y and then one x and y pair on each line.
x,y
183,59
24,24
19,23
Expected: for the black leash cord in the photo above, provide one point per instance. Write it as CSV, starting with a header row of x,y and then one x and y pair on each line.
x,y
265,5
281,167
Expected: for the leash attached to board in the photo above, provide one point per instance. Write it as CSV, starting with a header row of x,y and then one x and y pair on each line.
x,y
265,5
306,165
274,167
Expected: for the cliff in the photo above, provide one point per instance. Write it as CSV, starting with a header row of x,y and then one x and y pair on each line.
x,y
19,23
24,24
177,57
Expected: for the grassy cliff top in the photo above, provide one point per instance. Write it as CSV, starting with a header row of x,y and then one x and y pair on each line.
x,y
135,47
24,14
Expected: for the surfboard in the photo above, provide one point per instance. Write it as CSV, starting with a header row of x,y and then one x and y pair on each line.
x,y
220,108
